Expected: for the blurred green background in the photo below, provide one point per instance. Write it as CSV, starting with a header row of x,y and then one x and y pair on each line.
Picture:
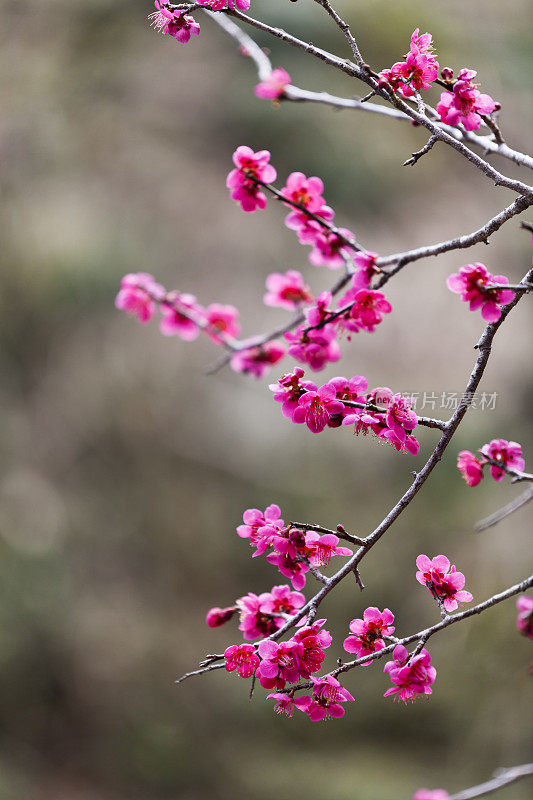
x,y
125,469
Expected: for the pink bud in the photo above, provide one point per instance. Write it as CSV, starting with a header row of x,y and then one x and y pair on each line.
x,y
216,617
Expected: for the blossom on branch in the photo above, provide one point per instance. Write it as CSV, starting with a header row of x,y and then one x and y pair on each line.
x,y
274,86
175,323
367,633
442,581
216,617
241,657
138,296
473,282
411,676
242,181
470,467
326,700
175,23
508,454
419,69
465,103
287,290
258,359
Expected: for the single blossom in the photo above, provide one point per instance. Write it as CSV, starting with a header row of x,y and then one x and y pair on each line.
x,y
257,360
352,389
174,321
410,676
279,662
250,167
287,290
367,309
216,617
368,633
508,454
325,703
328,248
430,794
305,192
442,581
281,600
139,295
365,263
314,640
290,567
315,347
524,620
285,704
176,23
274,86
255,521
289,389
470,467
223,320
321,549
465,103
254,623
317,408
241,657
473,282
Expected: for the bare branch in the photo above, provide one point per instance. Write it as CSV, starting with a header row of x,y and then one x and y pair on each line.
x,y
510,508
502,778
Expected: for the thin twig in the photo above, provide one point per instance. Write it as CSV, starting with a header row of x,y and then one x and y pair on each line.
x,y
504,512
502,777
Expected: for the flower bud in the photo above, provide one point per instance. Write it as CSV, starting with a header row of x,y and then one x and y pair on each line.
x,y
216,617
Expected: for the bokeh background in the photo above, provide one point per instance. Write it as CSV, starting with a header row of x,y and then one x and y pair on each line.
x,y
125,469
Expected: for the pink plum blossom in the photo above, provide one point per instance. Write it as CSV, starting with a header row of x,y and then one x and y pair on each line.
x,y
303,191
326,700
352,389
221,320
176,23
281,600
509,454
314,640
287,290
365,263
257,360
216,617
253,622
473,282
524,620
289,389
470,467
292,568
250,167
285,704
317,408
279,661
174,323
314,347
410,677
367,309
274,86
255,521
138,296
367,633
430,794
328,248
419,69
442,581
465,103
241,657
320,549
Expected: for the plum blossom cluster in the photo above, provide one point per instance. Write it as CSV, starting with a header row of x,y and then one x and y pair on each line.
x,y
465,104
181,315
259,615
500,451
443,581
310,217
418,71
293,550
476,285
315,341
368,634
411,676
347,401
